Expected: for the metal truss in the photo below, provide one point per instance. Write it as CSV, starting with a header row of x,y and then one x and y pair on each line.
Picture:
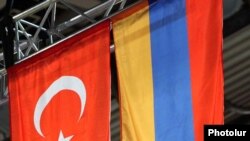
x,y
31,42
27,33
3,87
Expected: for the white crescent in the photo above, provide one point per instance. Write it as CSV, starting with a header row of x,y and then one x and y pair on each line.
x,y
63,83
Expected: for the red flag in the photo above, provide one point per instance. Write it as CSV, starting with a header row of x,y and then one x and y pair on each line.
x,y
63,93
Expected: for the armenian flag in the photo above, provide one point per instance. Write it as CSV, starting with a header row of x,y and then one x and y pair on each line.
x,y
169,61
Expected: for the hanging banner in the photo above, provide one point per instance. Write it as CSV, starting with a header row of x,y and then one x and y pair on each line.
x,y
63,93
169,61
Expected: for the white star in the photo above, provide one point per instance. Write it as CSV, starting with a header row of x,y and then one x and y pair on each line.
x,y
61,137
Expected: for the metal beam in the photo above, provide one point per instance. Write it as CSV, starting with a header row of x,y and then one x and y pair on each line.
x,y
33,10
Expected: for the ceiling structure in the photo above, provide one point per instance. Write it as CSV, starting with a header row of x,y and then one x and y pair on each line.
x,y
236,55
66,17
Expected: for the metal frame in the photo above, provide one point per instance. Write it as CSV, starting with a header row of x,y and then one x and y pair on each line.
x,y
3,87
27,44
32,41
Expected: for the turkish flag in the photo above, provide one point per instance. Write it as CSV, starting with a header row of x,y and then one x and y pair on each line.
x,y
63,93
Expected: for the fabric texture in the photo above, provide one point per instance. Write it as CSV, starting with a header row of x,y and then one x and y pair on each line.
x,y
169,69
63,93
